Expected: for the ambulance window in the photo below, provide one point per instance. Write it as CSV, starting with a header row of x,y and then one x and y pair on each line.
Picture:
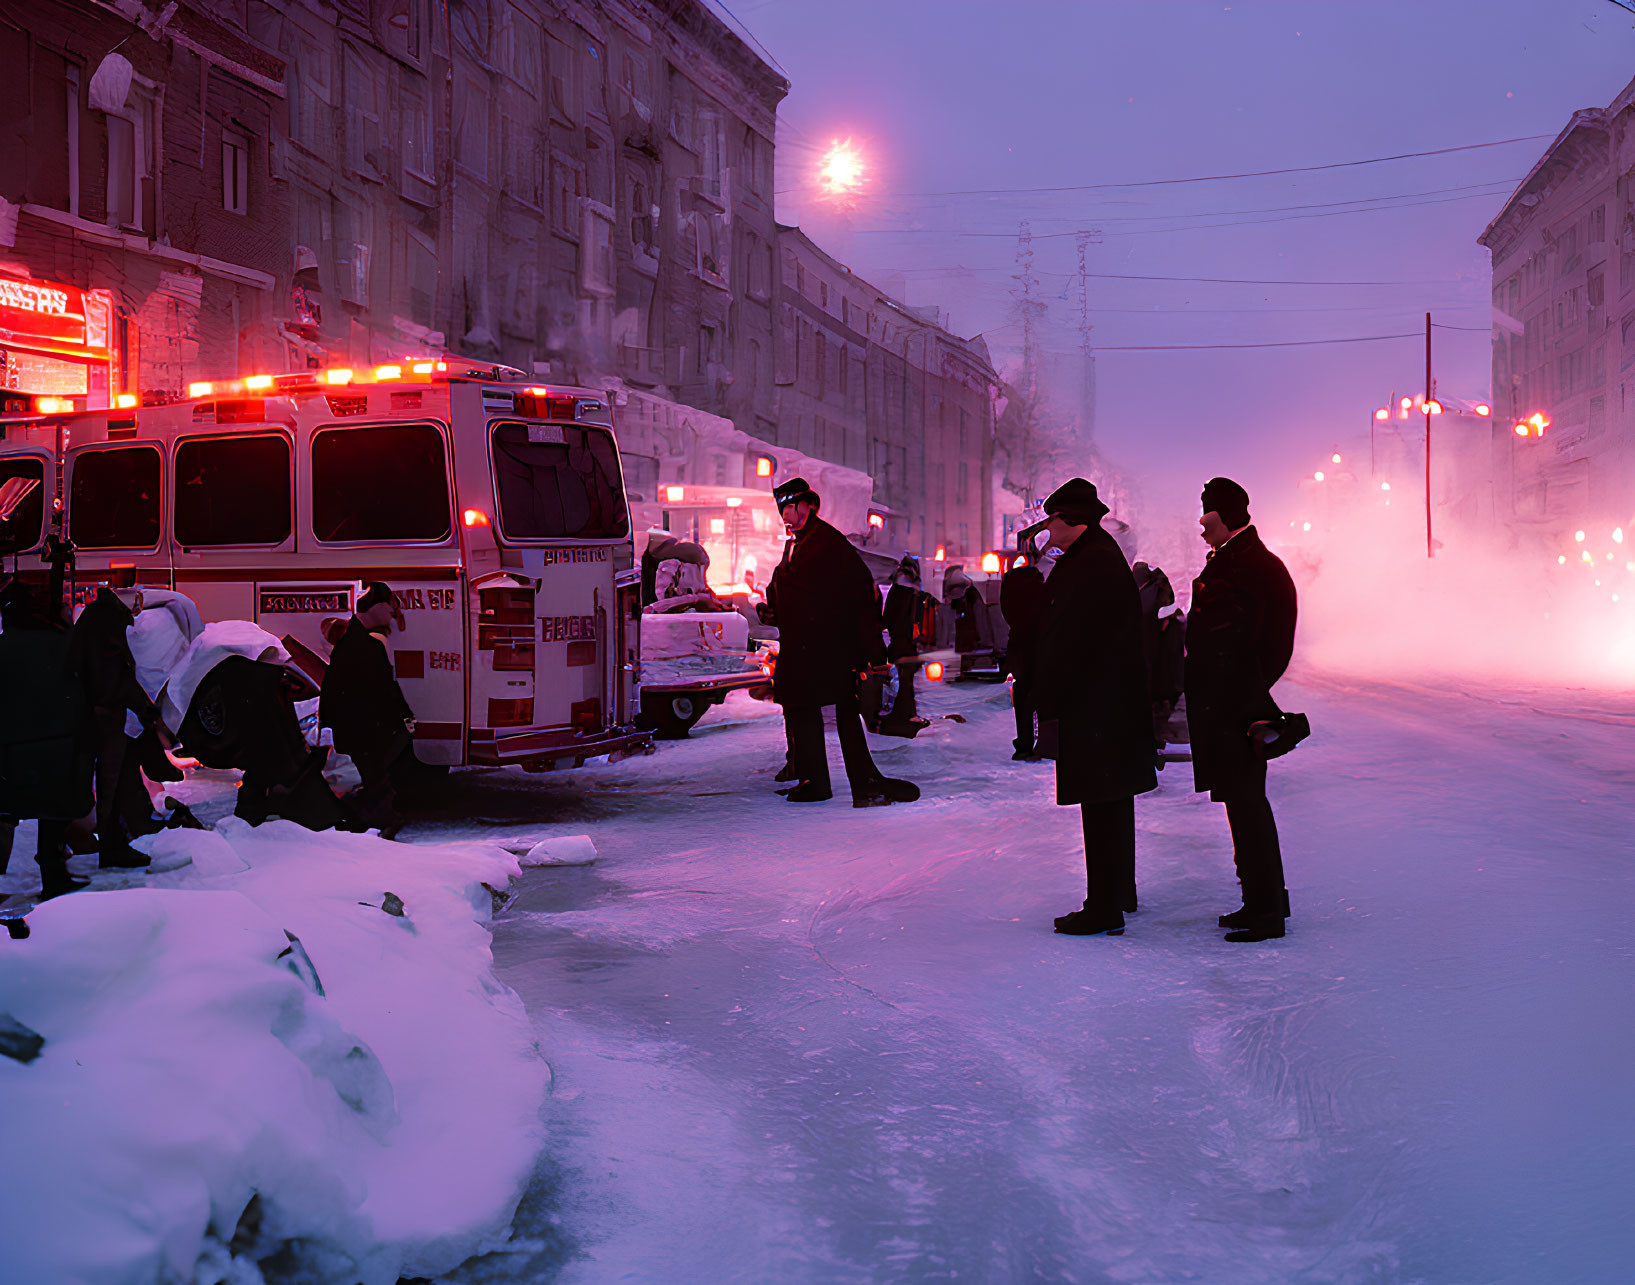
x,y
113,502
558,481
22,529
233,490
383,482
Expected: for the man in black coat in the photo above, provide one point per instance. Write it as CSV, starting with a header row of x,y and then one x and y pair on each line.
x,y
1022,597
901,609
46,738
829,631
1093,680
1240,636
363,705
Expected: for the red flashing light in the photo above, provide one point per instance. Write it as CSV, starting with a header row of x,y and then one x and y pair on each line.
x,y
1483,409
475,517
1432,407
877,520
941,555
933,671
763,466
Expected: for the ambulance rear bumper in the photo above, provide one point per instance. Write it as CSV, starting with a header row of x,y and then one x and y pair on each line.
x,y
554,747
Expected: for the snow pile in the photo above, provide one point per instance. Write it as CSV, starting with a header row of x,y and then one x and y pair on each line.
x,y
563,850
293,1045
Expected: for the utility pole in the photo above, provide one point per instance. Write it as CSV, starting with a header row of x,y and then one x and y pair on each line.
x,y
1028,310
1430,544
1087,370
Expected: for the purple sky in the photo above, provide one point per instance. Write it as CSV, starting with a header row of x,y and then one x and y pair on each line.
x,y
958,94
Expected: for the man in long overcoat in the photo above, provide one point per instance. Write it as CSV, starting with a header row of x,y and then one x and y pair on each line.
x,y
46,737
1092,679
366,709
1240,636
829,631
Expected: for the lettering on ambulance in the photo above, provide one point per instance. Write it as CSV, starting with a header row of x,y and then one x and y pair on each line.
x,y
567,628
425,599
559,557
327,601
449,660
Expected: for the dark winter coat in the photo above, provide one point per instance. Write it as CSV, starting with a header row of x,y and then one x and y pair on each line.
x,y
45,737
1023,594
828,619
1092,677
361,700
99,656
1240,635
902,609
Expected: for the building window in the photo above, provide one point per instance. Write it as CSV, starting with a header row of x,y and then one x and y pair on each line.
x,y
415,132
1598,224
235,173
596,254
567,187
72,104
845,369
964,431
129,162
706,349
410,496
471,126
822,364
800,278
564,94
228,491
959,489
823,295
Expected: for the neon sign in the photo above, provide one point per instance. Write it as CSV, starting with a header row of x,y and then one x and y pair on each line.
x,y
45,310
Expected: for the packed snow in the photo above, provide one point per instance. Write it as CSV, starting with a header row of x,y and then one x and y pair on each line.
x,y
287,1049
825,1044
819,1044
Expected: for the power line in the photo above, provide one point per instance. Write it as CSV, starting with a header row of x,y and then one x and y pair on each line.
x,y
1291,343
1215,178
1261,281
1477,330
1477,191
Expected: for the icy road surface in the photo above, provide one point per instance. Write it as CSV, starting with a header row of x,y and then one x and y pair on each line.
x,y
807,1043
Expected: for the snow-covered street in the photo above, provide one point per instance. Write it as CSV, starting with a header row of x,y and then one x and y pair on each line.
x,y
813,1043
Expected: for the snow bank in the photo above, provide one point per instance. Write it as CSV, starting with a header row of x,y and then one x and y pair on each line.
x,y
295,1037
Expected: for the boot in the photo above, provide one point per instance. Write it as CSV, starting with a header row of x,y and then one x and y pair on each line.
x,y
786,773
55,879
1081,923
1243,915
115,853
883,791
1260,928
808,792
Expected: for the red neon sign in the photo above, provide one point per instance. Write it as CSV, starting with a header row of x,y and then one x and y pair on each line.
x,y
35,311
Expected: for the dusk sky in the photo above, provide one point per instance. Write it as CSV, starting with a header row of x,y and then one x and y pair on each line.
x,y
958,95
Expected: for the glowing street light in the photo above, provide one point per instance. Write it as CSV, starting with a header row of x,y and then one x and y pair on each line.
x,y
1385,486
1432,407
1335,458
1579,536
841,171
1318,475
1483,409
1382,414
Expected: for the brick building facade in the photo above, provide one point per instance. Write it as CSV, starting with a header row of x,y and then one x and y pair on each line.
x,y
136,202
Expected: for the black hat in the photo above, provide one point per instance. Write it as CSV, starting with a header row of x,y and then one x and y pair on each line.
x,y
374,593
1224,496
796,488
1074,502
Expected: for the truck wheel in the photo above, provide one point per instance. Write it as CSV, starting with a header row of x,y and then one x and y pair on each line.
x,y
672,717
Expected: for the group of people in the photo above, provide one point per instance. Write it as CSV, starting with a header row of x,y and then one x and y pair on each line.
x,y
86,723
1090,658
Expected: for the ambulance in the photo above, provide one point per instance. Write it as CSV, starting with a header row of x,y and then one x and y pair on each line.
x,y
492,505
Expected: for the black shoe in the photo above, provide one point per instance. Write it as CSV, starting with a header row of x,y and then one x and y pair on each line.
x,y
808,792
56,883
879,793
1243,915
1020,755
907,728
123,857
1130,905
786,773
1081,923
1260,928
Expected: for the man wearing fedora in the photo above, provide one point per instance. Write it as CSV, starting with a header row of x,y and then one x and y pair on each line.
x,y
1240,636
1091,677
829,631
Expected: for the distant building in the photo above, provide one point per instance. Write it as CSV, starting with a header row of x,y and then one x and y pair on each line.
x,y
871,383
1563,253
